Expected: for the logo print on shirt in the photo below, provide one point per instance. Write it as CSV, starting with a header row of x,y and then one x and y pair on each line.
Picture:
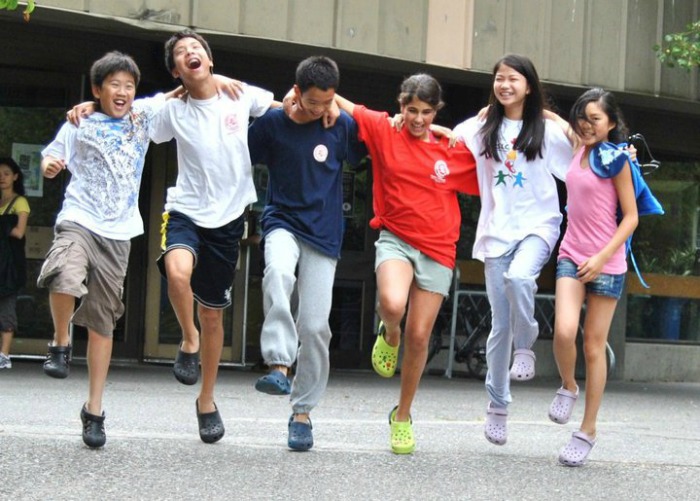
x,y
320,153
441,171
231,123
511,156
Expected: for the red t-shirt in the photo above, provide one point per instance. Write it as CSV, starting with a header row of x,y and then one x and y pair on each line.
x,y
416,184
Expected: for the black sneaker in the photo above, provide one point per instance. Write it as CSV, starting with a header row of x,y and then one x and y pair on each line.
x,y
57,359
93,429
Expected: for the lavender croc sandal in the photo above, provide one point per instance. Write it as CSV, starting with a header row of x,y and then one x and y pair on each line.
x,y
495,429
562,406
523,368
576,451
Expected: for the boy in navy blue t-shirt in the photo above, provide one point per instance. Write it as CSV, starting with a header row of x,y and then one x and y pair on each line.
x,y
302,226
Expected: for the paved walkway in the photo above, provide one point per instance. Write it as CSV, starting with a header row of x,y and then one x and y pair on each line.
x,y
648,449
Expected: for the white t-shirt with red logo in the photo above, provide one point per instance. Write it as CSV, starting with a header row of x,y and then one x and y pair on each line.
x,y
415,185
214,181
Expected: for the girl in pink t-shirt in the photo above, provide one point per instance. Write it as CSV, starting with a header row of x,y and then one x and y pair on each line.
x,y
591,265
416,177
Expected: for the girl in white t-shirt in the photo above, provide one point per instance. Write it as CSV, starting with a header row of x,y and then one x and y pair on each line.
x,y
592,263
517,152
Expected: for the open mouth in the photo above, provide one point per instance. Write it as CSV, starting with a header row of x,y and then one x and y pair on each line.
x,y
193,64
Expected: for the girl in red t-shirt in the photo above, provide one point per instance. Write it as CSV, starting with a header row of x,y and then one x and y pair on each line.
x,y
416,178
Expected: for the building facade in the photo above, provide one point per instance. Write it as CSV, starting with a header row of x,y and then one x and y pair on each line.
x,y
575,44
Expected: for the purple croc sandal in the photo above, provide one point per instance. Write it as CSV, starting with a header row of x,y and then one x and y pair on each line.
x,y
576,451
563,405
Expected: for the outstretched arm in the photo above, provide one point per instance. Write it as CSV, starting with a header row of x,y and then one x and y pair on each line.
x,y
345,105
565,127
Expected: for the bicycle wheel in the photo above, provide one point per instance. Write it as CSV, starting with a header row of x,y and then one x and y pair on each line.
x,y
440,329
473,354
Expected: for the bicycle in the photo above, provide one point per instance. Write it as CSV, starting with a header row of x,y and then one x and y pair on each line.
x,y
472,331
473,326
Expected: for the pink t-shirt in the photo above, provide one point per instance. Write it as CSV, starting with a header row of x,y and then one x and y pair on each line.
x,y
592,217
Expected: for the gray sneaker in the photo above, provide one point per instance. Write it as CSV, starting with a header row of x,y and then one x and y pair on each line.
x,y
5,362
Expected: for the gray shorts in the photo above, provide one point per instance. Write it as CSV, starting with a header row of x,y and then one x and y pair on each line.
x,y
85,265
428,274
8,313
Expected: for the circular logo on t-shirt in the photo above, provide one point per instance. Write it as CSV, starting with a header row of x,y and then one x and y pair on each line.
x,y
320,153
231,123
441,171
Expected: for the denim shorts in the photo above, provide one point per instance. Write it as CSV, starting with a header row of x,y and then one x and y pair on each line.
x,y
605,285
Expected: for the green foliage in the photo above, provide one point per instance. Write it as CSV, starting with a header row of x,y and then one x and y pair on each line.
x,y
12,5
681,49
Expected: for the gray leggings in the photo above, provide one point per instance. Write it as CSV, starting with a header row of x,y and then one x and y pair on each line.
x,y
511,288
306,335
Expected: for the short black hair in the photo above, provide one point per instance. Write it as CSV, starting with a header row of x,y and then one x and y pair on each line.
x,y
170,46
111,63
317,71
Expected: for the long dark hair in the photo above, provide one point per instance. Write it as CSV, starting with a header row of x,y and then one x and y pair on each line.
x,y
18,185
531,136
608,104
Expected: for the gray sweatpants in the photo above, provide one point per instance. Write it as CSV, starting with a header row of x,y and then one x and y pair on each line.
x,y
511,287
304,337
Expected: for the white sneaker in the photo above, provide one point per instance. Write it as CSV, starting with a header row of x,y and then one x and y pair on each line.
x,y
5,362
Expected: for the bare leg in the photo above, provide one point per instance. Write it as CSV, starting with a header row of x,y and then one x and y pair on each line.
x,y
211,322
99,354
422,311
62,308
6,337
394,278
178,265
596,328
568,302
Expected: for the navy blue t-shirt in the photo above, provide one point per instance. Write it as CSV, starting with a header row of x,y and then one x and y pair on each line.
x,y
305,164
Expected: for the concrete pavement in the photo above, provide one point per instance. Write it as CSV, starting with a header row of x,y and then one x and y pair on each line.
x,y
648,442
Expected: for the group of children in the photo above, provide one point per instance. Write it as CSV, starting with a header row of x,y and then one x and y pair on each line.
x,y
507,156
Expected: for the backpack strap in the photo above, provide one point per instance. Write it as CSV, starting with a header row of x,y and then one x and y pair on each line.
x,y
9,206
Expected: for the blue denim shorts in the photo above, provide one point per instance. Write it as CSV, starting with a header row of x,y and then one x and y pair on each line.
x,y
604,285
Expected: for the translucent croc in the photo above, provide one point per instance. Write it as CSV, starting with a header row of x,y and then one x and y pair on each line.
x,y
523,368
402,440
384,356
495,429
562,406
576,451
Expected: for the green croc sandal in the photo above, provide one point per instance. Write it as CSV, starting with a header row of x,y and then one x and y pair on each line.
x,y
384,357
402,440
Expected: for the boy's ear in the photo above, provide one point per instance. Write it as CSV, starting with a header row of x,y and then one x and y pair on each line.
x,y
297,92
96,92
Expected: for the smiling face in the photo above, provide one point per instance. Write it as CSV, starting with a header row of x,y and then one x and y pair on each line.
x,y
312,103
116,94
596,126
418,115
191,60
511,89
